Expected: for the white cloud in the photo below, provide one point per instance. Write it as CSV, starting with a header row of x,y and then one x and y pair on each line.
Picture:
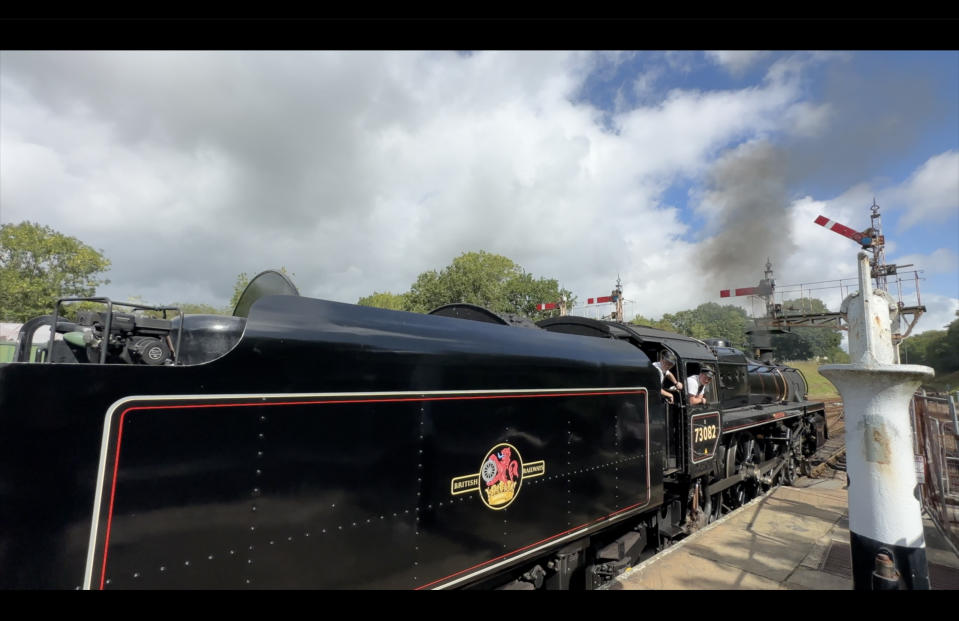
x,y
358,171
823,263
940,312
644,85
831,272
807,120
736,62
931,194
680,61
939,261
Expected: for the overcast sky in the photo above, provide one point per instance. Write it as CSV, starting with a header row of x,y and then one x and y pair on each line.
x,y
679,172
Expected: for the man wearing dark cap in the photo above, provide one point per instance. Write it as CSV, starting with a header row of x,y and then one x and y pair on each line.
x,y
696,384
667,362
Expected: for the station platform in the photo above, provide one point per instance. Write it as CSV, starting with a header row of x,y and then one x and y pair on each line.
x,y
792,538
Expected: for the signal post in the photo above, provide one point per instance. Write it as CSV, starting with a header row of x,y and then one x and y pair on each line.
x,y
885,521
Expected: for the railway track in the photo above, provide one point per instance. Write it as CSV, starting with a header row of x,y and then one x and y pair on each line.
x,y
832,454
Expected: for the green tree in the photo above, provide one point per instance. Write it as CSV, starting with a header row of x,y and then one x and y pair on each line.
x,y
482,278
659,324
242,280
710,320
190,308
808,343
938,349
187,308
39,265
915,349
947,353
386,300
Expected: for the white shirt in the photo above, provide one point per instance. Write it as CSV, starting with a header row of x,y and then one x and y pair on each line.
x,y
662,374
692,385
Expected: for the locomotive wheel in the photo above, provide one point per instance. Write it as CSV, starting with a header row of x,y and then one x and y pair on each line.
x,y
789,471
735,496
748,449
715,508
711,510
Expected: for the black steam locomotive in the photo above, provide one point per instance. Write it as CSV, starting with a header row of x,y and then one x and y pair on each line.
x,y
307,443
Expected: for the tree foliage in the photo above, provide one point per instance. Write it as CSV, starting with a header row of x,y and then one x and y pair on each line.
x,y
808,343
39,265
938,349
482,278
730,323
653,323
709,320
242,280
191,308
386,300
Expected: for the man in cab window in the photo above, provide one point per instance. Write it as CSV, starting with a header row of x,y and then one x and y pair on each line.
x,y
696,386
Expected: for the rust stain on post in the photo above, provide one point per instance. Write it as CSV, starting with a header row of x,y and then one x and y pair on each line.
x,y
881,442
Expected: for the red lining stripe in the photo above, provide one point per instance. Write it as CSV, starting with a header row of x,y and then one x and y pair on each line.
x,y
532,545
116,462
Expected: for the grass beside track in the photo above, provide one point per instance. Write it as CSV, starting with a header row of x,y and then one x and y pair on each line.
x,y
943,383
819,386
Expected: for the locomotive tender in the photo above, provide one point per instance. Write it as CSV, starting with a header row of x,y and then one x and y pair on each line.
x,y
313,444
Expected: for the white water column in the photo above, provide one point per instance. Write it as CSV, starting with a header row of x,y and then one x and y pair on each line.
x,y
885,515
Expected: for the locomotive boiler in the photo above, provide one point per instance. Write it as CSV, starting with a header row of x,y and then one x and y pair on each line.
x,y
313,444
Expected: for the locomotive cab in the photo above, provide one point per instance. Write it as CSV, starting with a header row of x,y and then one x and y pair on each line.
x,y
694,368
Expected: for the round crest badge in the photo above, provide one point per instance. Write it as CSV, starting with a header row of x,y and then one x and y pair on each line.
x,y
501,476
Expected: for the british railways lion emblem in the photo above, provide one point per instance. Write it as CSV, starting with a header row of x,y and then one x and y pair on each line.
x,y
500,477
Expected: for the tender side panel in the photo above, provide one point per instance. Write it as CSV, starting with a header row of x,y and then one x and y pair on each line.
x,y
358,491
